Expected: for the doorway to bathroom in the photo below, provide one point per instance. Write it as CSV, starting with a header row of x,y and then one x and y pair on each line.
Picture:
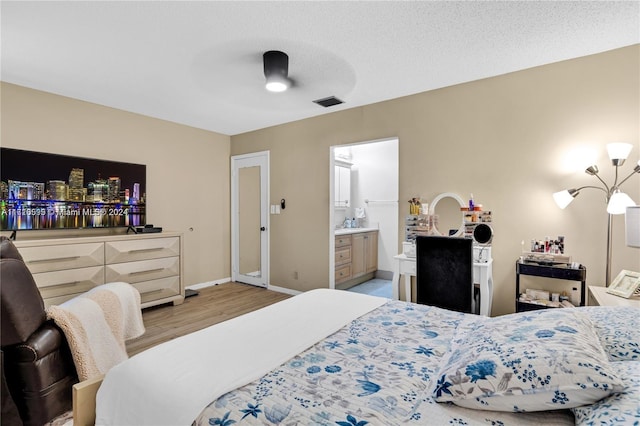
x,y
364,215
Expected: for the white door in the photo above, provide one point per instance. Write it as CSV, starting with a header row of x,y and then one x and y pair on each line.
x,y
250,218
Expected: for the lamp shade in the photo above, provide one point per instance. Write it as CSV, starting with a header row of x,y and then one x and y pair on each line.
x,y
564,198
618,152
619,202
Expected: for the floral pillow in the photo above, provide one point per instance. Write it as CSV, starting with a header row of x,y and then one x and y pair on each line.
x,y
617,409
541,360
619,330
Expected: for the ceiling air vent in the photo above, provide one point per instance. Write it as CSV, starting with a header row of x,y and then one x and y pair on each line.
x,y
327,102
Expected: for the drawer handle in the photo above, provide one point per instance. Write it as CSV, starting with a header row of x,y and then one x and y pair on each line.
x,y
147,271
55,259
158,291
146,250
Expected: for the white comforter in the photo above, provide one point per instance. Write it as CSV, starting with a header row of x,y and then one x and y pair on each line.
x,y
171,384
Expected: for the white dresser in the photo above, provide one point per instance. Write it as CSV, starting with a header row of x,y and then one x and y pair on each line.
x,y
66,267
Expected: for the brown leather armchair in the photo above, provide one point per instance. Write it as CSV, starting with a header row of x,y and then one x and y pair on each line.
x,y
37,363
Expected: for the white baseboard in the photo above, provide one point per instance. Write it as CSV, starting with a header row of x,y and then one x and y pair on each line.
x,y
226,280
284,290
208,284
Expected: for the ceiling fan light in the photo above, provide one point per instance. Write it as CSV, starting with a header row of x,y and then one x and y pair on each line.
x,y
276,83
276,70
618,152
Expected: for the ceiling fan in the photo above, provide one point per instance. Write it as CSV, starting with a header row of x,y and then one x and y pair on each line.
x,y
276,70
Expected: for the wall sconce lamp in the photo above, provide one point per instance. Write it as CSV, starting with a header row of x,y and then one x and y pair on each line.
x,y
617,201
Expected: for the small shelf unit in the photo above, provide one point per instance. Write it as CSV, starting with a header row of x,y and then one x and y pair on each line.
x,y
546,271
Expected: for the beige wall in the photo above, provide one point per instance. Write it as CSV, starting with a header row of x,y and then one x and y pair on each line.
x,y
504,139
187,168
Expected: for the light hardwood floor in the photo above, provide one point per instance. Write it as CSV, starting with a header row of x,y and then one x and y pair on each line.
x,y
213,305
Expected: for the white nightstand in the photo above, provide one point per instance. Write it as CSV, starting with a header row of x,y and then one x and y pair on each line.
x,y
598,296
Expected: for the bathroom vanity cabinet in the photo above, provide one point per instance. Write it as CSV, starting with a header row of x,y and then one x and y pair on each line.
x,y
356,257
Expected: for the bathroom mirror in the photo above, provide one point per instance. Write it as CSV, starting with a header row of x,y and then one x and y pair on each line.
x,y
447,206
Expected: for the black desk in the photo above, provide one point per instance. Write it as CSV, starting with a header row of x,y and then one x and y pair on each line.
x,y
557,272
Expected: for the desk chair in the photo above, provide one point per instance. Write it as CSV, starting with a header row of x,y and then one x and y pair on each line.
x,y
445,272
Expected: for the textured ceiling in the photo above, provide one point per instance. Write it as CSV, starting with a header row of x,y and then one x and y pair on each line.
x,y
200,63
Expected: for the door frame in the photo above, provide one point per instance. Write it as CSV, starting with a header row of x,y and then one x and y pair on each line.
x,y
332,163
262,160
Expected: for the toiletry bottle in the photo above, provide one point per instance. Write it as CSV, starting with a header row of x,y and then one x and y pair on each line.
x,y
347,223
354,223
471,203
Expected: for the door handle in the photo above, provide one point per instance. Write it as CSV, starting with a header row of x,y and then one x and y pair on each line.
x,y
262,228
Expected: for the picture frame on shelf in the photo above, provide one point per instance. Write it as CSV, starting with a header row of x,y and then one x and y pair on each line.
x,y
625,284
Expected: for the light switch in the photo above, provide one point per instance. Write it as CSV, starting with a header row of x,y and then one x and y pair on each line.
x,y
273,209
277,209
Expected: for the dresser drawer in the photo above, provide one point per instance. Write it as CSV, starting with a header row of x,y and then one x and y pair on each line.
x,y
67,267
144,270
343,273
141,249
343,255
343,240
154,290
47,258
60,283
59,299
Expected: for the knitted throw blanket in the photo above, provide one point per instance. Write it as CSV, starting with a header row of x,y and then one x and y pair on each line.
x,y
97,324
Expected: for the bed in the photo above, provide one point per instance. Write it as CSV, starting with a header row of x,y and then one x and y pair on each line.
x,y
328,357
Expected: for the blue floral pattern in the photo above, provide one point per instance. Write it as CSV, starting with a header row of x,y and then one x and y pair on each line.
x,y
544,360
619,331
377,370
620,408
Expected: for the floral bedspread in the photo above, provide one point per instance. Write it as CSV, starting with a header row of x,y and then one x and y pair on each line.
x,y
377,370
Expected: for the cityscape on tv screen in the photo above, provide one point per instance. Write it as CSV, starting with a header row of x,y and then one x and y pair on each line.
x,y
50,191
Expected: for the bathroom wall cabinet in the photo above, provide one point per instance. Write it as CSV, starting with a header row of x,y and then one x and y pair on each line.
x,y
342,181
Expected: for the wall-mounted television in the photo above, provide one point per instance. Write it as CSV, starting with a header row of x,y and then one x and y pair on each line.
x,y
50,191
